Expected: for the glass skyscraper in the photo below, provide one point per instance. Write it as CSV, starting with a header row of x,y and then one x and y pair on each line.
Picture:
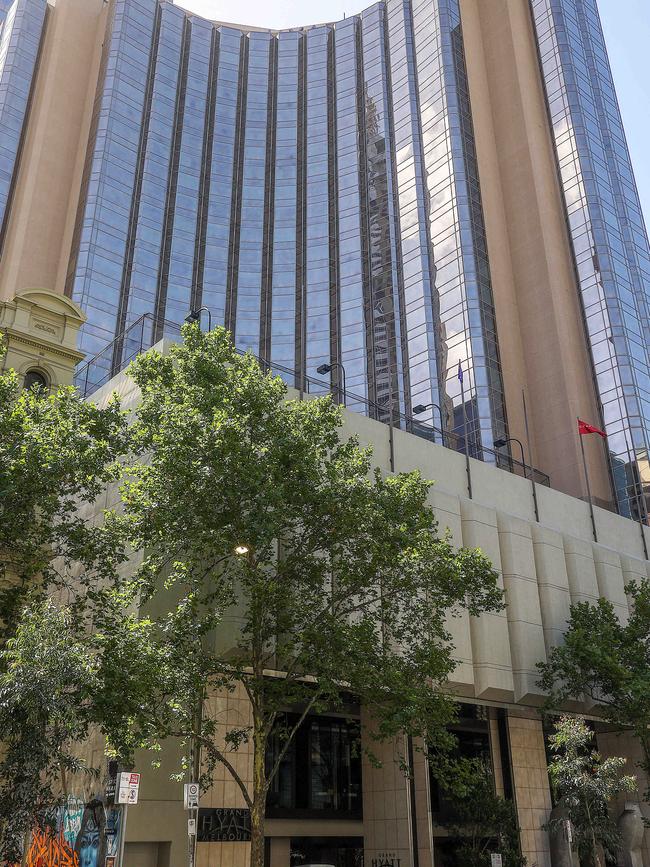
x,y
316,189
329,193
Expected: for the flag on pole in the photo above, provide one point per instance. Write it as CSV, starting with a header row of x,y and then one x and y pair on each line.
x,y
460,372
584,428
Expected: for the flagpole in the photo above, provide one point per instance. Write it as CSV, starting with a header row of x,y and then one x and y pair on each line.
x,y
584,464
530,457
467,463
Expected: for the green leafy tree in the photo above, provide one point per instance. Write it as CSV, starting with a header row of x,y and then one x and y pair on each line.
x,y
483,822
250,505
609,662
57,454
47,680
584,784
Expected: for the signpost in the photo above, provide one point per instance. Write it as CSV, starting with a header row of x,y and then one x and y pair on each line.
x,y
125,790
191,793
128,786
497,860
191,796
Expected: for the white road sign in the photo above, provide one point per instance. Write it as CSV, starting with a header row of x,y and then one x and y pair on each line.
x,y
191,827
497,860
191,796
128,786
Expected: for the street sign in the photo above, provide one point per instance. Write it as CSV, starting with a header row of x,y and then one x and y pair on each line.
x,y
497,860
128,786
191,827
191,796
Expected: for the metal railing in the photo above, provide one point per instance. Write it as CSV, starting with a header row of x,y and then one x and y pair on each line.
x,y
138,337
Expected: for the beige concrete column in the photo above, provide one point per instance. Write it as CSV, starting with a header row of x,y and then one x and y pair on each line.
x,y
581,570
539,320
44,206
524,612
447,512
490,639
386,819
234,710
553,584
611,584
532,791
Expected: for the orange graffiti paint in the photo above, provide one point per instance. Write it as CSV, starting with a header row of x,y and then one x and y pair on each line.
x,y
50,850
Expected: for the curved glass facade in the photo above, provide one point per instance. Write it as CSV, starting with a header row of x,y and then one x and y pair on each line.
x,y
20,39
315,189
609,238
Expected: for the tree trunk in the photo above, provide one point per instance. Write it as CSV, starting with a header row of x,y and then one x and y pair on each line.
x,y
26,847
258,812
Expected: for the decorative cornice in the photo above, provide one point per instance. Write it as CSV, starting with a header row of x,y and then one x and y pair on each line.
x,y
55,349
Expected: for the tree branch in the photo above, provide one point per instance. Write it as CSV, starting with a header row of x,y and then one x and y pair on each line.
x,y
292,734
221,756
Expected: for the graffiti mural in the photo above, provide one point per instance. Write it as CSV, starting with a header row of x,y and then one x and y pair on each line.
x,y
50,849
90,845
69,819
86,835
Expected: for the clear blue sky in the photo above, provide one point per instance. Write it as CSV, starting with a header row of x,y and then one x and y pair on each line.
x,y
627,30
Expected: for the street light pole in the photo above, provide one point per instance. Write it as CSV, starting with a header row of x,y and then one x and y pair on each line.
x,y
328,368
500,443
422,407
195,316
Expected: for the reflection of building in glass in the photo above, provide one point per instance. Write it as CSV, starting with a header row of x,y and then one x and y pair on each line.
x,y
379,193
278,180
4,8
607,231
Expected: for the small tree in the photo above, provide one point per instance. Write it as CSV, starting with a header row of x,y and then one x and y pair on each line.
x,y
609,662
483,822
46,684
584,784
251,503
57,453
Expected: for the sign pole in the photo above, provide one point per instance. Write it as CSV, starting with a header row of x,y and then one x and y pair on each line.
x,y
120,857
128,785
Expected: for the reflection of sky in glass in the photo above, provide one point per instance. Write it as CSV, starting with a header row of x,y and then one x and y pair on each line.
x,y
609,240
20,37
314,189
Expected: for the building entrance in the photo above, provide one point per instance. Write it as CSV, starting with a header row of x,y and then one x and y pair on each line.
x,y
326,851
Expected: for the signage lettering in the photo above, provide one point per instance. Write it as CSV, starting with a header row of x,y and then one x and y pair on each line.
x,y
386,859
222,825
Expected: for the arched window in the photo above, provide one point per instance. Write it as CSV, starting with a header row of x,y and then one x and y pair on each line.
x,y
35,377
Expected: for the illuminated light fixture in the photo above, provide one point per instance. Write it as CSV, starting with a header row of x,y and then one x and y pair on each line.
x,y
241,550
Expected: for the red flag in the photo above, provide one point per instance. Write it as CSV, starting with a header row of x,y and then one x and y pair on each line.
x,y
584,428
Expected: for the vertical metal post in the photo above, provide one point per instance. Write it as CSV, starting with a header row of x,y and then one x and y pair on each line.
x,y
414,842
303,338
123,817
530,457
584,464
640,504
468,467
391,438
